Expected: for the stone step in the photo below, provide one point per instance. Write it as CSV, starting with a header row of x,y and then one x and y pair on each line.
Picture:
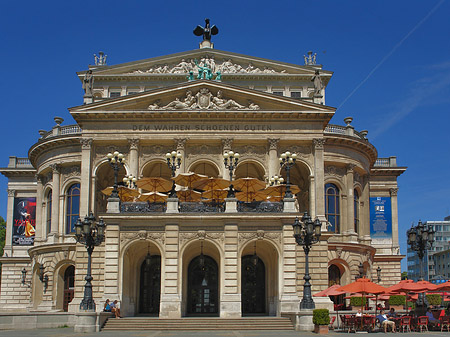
x,y
198,324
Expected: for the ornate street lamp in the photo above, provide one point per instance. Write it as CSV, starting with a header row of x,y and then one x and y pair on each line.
x,y
91,234
174,163
43,278
360,270
276,180
230,159
379,274
130,181
307,233
116,161
287,160
421,238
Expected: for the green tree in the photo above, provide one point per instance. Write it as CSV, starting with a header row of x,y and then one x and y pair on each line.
x,y
404,275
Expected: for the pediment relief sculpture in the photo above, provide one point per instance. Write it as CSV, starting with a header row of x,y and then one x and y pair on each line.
x,y
227,66
203,100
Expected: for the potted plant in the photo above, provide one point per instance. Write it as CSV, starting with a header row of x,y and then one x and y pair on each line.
x,y
397,302
358,302
434,299
321,320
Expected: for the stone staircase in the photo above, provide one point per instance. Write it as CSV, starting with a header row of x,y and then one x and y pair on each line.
x,y
198,324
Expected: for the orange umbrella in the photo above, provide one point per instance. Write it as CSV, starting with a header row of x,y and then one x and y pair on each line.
x,y
280,190
125,193
189,195
444,286
331,291
251,196
153,197
187,179
154,184
249,184
218,195
211,184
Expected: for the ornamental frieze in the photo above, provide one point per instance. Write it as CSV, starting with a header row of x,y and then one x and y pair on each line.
x,y
259,235
142,235
201,235
69,172
101,151
301,151
334,171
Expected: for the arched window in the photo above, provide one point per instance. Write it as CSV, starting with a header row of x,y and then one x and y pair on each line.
x,y
356,209
49,211
73,207
332,207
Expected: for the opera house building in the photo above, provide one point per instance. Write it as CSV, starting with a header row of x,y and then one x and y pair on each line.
x,y
195,166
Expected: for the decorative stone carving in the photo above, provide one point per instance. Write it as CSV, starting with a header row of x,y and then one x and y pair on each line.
x,y
203,100
260,235
318,85
181,143
334,171
393,192
201,235
86,143
102,151
273,143
56,168
318,143
71,171
133,143
227,143
350,168
357,177
142,235
11,193
301,151
38,178
252,152
339,252
225,66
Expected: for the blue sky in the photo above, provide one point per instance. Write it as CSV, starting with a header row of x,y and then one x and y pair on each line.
x,y
391,63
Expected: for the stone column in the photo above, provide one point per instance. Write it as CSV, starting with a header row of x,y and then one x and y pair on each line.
x,y
181,148
365,207
319,181
40,225
7,251
227,143
394,207
56,189
289,299
230,303
350,223
274,166
133,158
170,306
85,185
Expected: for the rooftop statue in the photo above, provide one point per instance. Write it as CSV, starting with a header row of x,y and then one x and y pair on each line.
x,y
88,83
101,59
207,31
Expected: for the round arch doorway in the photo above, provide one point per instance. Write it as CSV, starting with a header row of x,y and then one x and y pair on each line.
x,y
253,273
203,287
150,286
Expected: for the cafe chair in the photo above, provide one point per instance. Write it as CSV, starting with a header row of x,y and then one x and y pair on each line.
x,y
405,323
351,324
422,323
331,327
445,323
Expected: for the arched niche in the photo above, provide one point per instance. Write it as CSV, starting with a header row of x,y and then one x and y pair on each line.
x,y
157,168
104,177
64,278
250,169
38,287
300,176
206,168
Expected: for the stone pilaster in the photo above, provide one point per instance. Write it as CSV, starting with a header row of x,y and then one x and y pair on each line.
x,y
273,165
7,251
289,300
365,210
227,143
85,184
230,303
350,223
170,306
56,190
133,161
394,206
112,243
319,181
181,148
40,225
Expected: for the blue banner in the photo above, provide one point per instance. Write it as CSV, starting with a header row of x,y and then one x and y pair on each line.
x,y
380,218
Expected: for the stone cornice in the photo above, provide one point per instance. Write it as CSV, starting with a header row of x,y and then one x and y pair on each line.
x,y
354,143
388,171
49,248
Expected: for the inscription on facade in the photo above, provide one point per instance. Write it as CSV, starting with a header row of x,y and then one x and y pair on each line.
x,y
202,127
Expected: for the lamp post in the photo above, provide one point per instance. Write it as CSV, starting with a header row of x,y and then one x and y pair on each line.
x,y
287,160
276,180
360,270
307,233
130,181
379,274
230,159
91,234
43,278
116,161
421,238
174,163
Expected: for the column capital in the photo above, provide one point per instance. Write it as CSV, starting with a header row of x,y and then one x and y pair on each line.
x,y
56,168
350,168
227,143
134,143
38,178
86,143
181,143
318,143
393,191
273,143
11,193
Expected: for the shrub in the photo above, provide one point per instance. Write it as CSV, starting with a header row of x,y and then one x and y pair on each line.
x,y
358,301
321,316
434,299
411,305
397,300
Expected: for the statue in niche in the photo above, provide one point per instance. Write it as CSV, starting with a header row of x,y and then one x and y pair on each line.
x,y
88,83
223,103
318,85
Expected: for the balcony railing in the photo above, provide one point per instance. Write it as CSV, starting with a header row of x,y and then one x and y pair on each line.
x,y
386,162
15,162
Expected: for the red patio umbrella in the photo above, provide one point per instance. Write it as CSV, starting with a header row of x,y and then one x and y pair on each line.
x,y
331,291
444,286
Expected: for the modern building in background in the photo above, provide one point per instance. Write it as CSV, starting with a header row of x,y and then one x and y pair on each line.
x,y
176,258
436,261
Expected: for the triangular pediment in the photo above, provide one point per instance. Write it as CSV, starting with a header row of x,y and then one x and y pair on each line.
x,y
227,63
200,96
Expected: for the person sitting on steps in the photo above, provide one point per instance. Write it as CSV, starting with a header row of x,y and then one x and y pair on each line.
x,y
115,309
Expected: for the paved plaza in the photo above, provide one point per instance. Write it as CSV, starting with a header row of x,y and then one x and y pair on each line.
x,y
60,332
